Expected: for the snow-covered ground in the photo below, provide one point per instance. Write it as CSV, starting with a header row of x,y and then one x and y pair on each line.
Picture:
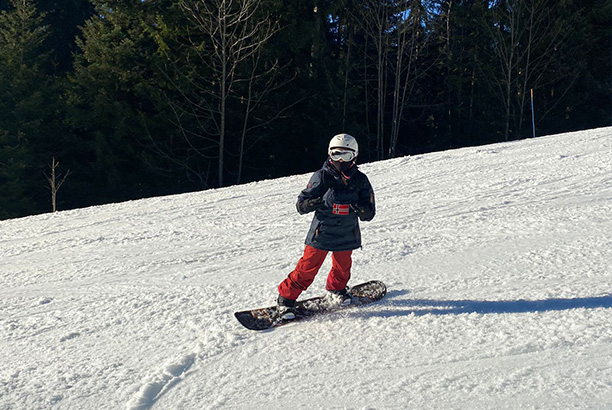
x,y
497,259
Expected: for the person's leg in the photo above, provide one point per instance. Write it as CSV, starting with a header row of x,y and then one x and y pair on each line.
x,y
303,275
340,272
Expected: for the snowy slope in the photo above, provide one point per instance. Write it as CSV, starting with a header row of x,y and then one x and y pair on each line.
x,y
497,258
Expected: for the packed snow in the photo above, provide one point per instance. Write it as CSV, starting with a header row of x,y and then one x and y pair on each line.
x,y
497,260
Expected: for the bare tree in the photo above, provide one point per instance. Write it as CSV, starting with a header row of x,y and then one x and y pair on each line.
x,y
410,40
226,36
526,34
373,19
259,83
398,34
54,184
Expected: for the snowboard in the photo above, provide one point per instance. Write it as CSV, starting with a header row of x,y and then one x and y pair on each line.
x,y
266,318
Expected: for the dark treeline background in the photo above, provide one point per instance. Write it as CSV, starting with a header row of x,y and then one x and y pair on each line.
x,y
139,98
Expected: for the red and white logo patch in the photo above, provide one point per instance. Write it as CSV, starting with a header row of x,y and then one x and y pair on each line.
x,y
340,209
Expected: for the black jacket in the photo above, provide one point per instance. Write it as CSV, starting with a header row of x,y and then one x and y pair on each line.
x,y
346,198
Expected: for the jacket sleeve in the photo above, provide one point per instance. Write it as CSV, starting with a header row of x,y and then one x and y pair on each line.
x,y
366,204
315,189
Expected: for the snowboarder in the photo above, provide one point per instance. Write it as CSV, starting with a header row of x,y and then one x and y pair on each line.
x,y
340,195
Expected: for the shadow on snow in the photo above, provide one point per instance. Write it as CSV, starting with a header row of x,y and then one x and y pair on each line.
x,y
420,307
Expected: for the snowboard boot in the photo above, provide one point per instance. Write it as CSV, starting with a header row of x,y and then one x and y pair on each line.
x,y
340,297
286,308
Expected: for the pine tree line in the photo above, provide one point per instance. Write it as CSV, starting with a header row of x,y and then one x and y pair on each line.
x,y
138,98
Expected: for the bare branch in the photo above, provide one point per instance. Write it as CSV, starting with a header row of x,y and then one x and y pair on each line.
x,y
54,184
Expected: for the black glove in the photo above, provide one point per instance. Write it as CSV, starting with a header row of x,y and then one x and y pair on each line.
x,y
309,205
364,213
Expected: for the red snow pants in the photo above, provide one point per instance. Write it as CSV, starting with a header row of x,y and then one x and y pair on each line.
x,y
307,268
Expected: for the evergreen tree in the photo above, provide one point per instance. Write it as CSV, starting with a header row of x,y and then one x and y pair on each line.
x,y
113,104
28,111
63,19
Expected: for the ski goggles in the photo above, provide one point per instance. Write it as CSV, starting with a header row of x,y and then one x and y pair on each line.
x,y
345,156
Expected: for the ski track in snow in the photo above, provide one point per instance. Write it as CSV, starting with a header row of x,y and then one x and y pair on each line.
x,y
497,260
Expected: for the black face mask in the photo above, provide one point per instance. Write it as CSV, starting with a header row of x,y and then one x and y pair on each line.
x,y
342,166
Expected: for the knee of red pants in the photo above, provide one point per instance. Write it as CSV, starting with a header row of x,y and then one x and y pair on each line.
x,y
304,273
340,272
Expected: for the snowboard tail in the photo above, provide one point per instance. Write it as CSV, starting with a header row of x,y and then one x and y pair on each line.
x,y
268,317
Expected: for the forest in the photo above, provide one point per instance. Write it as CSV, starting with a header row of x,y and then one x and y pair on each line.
x,y
108,101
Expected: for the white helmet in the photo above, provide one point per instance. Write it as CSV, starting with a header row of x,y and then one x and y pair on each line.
x,y
343,141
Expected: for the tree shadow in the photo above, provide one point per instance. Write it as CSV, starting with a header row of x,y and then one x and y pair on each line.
x,y
421,307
